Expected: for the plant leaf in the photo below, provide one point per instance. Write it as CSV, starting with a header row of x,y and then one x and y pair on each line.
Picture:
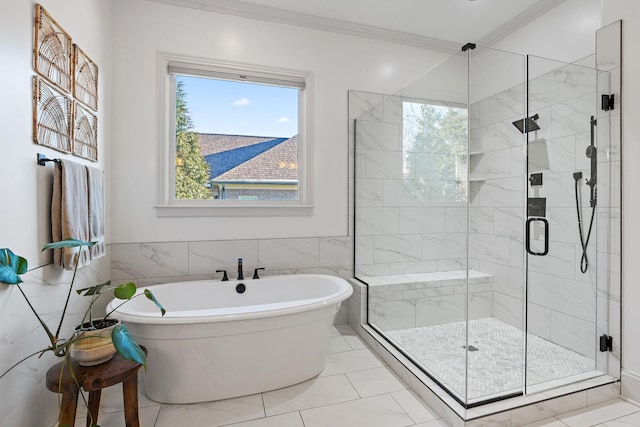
x,y
93,290
67,243
11,266
125,291
152,297
126,346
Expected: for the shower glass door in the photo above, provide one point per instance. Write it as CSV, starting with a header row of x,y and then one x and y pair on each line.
x,y
561,238
466,227
497,171
411,196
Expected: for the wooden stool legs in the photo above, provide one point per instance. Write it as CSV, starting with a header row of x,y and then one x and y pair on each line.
x,y
130,400
68,407
94,406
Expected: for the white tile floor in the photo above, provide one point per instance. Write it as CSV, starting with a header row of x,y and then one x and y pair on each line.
x,y
355,390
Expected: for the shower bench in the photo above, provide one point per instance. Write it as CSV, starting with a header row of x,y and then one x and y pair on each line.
x,y
422,299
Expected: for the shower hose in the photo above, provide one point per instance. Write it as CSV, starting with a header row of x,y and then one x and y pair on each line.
x,y
584,261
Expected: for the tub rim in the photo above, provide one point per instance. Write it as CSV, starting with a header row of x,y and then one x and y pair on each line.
x,y
270,310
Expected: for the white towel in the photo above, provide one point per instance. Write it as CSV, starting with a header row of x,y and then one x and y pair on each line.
x,y
69,213
95,187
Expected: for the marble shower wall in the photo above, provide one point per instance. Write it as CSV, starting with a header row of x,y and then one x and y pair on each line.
x,y
402,225
405,223
400,230
562,300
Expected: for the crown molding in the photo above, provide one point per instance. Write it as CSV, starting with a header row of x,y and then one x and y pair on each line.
x,y
281,16
519,21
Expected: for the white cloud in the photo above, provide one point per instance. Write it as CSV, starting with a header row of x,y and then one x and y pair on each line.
x,y
283,119
241,102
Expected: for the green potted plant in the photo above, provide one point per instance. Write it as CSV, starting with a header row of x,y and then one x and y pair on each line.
x,y
12,266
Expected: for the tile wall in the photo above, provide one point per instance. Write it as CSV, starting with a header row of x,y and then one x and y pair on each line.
x,y
153,263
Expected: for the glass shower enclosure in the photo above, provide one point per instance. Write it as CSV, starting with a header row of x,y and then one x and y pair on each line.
x,y
468,184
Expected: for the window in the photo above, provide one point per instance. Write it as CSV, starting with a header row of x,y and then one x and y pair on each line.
x,y
435,151
235,141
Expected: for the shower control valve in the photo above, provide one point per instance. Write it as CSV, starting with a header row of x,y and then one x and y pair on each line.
x,y
591,151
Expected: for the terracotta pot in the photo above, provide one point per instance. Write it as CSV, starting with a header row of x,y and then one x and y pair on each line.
x,y
93,346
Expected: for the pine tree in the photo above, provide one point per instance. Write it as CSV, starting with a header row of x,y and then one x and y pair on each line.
x,y
192,171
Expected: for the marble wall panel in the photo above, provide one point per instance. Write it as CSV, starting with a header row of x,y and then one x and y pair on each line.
x,y
563,295
207,257
539,320
392,112
365,105
406,192
397,248
376,221
144,260
560,85
573,116
456,219
506,192
491,165
573,333
481,219
444,246
509,310
508,221
369,192
440,310
490,247
506,135
382,164
505,104
422,220
288,253
560,261
379,136
391,315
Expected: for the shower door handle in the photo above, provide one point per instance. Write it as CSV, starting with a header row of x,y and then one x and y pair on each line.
x,y
546,236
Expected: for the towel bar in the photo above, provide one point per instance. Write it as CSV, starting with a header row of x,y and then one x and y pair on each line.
x,y
42,160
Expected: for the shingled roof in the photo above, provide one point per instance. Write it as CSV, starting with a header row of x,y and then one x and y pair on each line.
x,y
250,158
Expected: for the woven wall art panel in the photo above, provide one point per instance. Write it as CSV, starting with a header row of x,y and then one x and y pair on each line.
x,y
85,133
85,88
52,51
52,116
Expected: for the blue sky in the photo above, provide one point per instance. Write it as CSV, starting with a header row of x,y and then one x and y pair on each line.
x,y
232,108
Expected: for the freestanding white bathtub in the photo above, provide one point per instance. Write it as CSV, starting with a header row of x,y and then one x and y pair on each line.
x,y
216,343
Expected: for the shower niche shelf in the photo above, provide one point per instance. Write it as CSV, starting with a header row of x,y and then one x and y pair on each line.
x,y
477,179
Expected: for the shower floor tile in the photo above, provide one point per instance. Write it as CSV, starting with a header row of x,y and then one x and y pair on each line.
x,y
495,363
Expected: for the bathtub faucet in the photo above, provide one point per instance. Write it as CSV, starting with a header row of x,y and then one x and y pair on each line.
x,y
255,272
225,278
240,274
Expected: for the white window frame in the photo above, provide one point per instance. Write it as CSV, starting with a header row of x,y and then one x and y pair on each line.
x,y
168,205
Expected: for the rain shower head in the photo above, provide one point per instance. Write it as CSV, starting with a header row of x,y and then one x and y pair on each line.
x,y
528,124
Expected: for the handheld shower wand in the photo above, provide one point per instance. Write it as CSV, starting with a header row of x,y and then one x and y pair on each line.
x,y
592,153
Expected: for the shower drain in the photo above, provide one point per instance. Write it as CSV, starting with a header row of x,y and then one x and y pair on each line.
x,y
471,348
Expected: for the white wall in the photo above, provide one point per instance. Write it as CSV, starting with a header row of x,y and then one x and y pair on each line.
x,y
566,33
629,12
26,195
338,63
